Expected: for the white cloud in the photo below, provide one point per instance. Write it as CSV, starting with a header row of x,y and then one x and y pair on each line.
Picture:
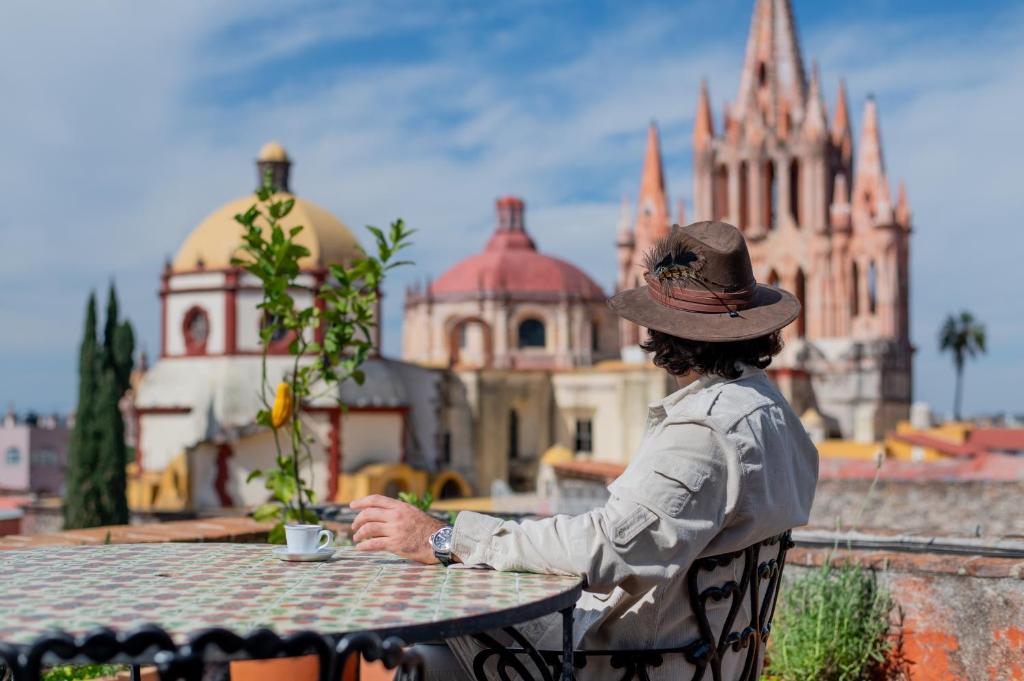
x,y
121,138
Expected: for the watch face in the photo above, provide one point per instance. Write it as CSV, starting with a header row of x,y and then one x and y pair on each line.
x,y
442,540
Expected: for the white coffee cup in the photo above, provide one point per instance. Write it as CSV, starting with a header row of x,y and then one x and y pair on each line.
x,y
307,538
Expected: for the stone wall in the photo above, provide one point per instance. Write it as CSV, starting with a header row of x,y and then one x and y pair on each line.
x,y
981,508
958,617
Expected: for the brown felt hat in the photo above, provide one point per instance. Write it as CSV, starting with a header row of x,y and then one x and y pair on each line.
x,y
701,286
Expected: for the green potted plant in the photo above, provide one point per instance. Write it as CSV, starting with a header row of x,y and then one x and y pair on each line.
x,y
331,332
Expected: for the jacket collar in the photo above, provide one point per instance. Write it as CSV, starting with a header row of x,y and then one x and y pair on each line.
x,y
658,411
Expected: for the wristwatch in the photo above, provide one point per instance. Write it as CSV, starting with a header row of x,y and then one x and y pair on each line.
x,y
441,543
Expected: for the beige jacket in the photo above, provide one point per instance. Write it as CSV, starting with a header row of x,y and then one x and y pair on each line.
x,y
723,464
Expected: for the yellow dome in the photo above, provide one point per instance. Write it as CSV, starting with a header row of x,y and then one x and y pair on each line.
x,y
216,239
273,151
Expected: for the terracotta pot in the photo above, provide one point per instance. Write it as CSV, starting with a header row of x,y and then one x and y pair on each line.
x,y
303,668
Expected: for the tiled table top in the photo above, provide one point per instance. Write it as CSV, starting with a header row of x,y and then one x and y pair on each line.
x,y
187,587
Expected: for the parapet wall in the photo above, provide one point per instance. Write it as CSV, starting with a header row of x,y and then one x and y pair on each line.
x,y
958,617
980,508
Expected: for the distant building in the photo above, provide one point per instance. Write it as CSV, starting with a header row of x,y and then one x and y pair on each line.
x,y
33,454
535,347
818,221
196,440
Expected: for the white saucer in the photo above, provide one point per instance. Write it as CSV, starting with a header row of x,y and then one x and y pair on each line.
x,y
322,553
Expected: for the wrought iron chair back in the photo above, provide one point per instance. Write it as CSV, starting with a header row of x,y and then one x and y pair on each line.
x,y
187,662
758,587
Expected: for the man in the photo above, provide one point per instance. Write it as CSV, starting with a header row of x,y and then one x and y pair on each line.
x,y
724,463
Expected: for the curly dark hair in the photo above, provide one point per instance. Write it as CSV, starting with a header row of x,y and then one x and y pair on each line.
x,y
680,355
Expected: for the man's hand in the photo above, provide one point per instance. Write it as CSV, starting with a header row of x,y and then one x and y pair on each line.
x,y
386,524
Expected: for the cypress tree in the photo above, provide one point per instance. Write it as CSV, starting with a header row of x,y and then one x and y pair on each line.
x,y
79,502
118,343
124,351
96,479
110,466
114,376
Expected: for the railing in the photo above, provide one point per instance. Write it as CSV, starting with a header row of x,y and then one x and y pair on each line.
x,y
186,662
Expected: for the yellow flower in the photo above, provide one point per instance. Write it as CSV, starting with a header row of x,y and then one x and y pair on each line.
x,y
282,410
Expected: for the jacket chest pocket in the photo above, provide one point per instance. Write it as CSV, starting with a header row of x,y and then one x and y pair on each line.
x,y
676,485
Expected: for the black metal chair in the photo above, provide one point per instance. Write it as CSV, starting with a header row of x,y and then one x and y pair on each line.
x,y
188,662
759,584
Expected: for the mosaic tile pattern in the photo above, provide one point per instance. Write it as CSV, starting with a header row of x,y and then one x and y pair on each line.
x,y
186,587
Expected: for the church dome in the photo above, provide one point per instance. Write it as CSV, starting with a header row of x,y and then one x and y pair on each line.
x,y
216,239
510,263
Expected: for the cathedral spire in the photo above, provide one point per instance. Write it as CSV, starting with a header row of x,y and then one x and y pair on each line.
x,y
773,70
815,121
870,185
652,206
842,136
839,211
625,228
704,126
903,213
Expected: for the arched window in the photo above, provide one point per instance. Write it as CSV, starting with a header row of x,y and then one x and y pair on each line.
x,y
720,192
770,199
872,288
801,295
513,434
450,490
469,343
855,291
773,278
196,329
762,74
531,334
744,197
794,190
595,336
273,331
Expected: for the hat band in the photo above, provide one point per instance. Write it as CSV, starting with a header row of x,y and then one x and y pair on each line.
x,y
692,300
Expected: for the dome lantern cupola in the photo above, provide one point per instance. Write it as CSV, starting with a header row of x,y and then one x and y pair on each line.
x,y
214,242
275,159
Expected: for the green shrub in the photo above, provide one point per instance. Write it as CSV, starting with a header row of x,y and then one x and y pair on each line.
x,y
72,672
831,625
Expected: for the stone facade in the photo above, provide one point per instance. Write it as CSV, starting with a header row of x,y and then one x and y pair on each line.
x,y
535,348
818,222
33,454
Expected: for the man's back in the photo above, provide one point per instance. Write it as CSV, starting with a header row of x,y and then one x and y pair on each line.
x,y
724,464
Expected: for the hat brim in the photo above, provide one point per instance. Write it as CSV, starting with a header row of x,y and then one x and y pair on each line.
x,y
772,309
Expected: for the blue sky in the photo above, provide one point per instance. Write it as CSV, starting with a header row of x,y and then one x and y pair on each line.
x,y
125,123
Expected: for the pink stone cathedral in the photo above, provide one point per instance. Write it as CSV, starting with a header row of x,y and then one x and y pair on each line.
x,y
819,222
539,365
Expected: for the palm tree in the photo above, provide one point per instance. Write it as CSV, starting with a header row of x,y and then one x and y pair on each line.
x,y
964,337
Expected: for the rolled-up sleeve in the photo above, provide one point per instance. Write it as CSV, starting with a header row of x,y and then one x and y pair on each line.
x,y
663,510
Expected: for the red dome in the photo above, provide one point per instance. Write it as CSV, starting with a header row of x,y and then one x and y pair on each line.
x,y
510,263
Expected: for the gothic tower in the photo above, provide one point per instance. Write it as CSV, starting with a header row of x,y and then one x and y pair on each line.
x,y
651,224
818,224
